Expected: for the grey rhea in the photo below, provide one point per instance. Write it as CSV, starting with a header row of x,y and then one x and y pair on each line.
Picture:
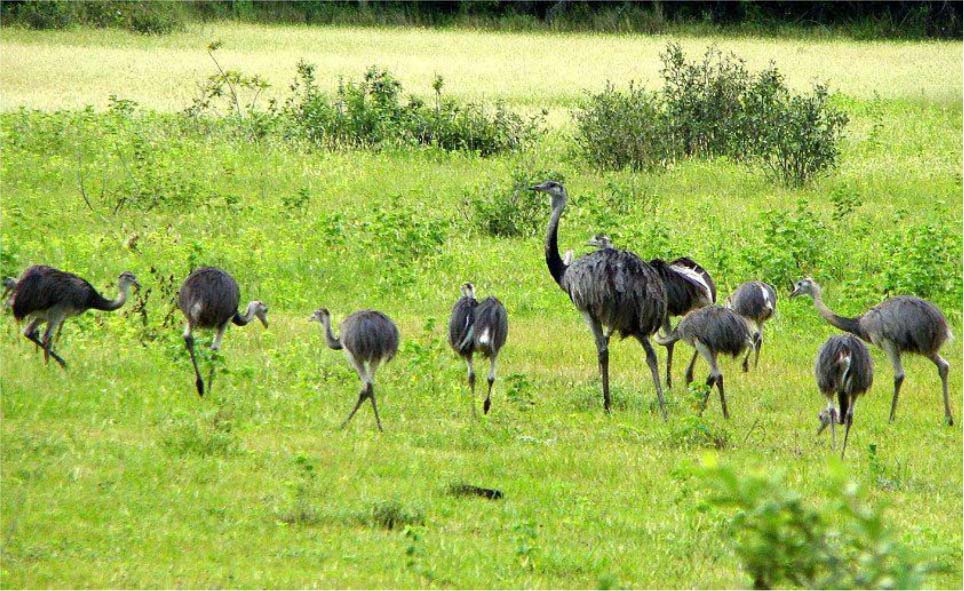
x,y
844,370
369,338
713,330
9,284
44,294
903,324
209,299
757,302
688,287
615,290
478,327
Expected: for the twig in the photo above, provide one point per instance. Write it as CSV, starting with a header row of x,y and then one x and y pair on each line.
x,y
752,427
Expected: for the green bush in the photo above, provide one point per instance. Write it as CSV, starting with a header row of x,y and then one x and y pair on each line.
x,y
783,540
923,259
140,17
508,210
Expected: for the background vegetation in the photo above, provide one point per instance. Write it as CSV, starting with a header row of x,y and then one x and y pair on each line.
x,y
116,474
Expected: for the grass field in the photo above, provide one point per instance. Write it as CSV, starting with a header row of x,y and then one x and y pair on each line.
x,y
115,474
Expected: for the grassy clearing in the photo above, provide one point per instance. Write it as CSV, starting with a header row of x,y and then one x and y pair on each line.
x,y
115,474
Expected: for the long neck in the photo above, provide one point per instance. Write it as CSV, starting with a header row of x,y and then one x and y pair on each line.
x,y
243,319
557,268
110,305
333,342
851,325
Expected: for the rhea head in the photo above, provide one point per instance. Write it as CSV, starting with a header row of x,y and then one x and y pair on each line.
x,y
806,286
320,315
600,241
468,290
126,280
553,188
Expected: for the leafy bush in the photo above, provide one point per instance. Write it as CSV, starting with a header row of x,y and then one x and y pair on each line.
x,y
140,17
708,109
508,211
794,244
782,541
393,515
923,259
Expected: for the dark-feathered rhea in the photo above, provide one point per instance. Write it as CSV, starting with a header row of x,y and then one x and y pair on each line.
x,y
902,324
713,330
369,338
615,290
209,299
757,302
478,327
45,294
844,370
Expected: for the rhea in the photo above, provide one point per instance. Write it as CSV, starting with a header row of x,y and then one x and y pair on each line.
x,y
209,299
713,330
902,324
615,290
478,327
844,370
757,302
44,294
369,338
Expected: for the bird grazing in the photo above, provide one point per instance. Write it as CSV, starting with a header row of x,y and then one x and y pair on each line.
x,y
9,284
756,301
844,369
614,289
209,299
45,294
369,338
478,327
903,324
712,330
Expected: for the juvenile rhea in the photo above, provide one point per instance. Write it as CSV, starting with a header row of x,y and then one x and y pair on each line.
x,y
757,302
478,327
44,294
369,338
209,299
903,324
712,330
844,370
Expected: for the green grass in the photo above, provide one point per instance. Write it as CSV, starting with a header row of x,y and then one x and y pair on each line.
x,y
116,475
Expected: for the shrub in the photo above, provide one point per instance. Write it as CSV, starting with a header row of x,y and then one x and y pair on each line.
x,y
712,108
783,541
923,260
508,211
393,515
140,17
794,244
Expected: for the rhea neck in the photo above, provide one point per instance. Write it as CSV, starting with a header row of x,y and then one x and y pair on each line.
x,y
333,342
557,268
123,292
851,325
248,316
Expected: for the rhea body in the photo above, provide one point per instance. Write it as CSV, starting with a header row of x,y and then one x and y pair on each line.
x,y
615,290
713,330
368,338
44,294
844,371
209,299
903,324
757,302
478,327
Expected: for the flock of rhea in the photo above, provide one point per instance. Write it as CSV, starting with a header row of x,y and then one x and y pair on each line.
x,y
615,290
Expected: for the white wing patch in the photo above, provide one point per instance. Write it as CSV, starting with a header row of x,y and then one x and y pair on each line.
x,y
766,298
484,337
694,277
196,309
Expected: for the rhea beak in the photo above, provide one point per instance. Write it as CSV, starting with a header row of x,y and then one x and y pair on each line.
x,y
795,292
539,187
823,424
137,284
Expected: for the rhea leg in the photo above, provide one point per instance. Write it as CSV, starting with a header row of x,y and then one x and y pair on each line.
x,y
689,368
491,380
48,339
757,345
189,343
30,332
602,354
849,420
943,368
372,366
667,329
365,391
654,368
716,376
894,355
471,374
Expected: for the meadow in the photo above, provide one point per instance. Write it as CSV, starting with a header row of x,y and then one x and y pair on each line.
x,y
115,474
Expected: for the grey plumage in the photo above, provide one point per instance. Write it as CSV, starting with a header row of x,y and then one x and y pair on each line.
x,y
209,299
369,338
757,302
614,289
902,324
845,371
478,327
45,294
712,330
9,284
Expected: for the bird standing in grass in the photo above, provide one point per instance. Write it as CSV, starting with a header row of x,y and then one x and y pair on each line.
x,y
615,291
757,302
844,370
903,324
369,338
45,294
478,327
712,330
209,299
